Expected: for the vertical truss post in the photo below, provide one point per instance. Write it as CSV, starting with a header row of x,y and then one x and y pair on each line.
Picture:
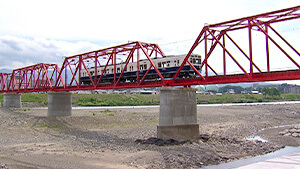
x,y
224,55
115,66
205,48
138,65
267,47
96,71
250,47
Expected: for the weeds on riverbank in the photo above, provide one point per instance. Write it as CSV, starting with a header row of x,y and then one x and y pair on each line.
x,y
137,100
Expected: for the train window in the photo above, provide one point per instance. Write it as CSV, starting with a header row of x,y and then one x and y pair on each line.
x,y
198,61
112,70
168,63
125,69
145,66
107,71
118,70
163,64
159,64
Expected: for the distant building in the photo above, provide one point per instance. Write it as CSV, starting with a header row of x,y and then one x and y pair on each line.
x,y
230,91
257,86
292,89
207,89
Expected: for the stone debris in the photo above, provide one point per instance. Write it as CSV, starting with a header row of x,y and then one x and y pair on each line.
x,y
293,131
3,166
161,142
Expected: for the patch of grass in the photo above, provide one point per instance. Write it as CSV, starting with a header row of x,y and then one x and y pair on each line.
x,y
106,111
44,125
25,109
34,97
114,100
110,114
136,100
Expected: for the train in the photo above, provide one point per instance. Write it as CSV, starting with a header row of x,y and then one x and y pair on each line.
x,y
167,65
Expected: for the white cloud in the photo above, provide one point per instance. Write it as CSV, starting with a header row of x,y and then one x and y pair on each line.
x,y
18,52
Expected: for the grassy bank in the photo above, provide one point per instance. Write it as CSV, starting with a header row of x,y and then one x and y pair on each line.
x,y
135,100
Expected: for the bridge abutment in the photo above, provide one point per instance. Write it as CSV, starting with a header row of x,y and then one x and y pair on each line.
x,y
178,114
59,104
12,100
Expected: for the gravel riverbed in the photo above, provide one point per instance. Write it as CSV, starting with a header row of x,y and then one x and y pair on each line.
x,y
126,138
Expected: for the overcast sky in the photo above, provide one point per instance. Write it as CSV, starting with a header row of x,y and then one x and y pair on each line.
x,y
35,31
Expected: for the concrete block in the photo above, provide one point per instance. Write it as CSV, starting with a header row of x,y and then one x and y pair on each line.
x,y
59,104
178,132
178,114
12,100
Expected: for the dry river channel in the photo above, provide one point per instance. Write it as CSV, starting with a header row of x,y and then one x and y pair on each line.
x,y
126,137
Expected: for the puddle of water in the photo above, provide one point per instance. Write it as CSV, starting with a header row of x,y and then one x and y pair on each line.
x,y
256,138
247,161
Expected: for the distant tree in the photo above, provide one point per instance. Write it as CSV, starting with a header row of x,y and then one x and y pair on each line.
x,y
274,92
265,91
270,91
237,89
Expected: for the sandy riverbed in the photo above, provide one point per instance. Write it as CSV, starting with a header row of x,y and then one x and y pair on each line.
x,y
105,138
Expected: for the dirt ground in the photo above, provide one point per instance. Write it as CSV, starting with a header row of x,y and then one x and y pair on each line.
x,y
106,138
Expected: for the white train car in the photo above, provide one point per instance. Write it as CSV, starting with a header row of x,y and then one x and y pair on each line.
x,y
167,66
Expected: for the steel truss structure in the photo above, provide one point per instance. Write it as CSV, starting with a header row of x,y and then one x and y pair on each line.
x,y
212,38
123,54
36,78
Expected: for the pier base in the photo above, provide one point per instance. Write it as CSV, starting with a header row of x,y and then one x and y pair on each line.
x,y
59,104
12,100
178,114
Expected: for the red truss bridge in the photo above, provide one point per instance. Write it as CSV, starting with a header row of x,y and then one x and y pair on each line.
x,y
248,49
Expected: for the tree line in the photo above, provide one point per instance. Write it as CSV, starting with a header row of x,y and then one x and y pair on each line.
x,y
266,91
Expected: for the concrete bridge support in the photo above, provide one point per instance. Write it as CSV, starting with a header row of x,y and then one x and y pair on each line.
x,y
178,114
12,100
59,104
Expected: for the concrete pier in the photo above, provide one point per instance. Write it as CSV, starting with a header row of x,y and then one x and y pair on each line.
x,y
178,114
59,104
12,100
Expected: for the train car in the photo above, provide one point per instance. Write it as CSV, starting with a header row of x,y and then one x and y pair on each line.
x,y
167,66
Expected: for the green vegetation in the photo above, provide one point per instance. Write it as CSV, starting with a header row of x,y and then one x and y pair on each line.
x,y
245,98
114,100
136,100
32,97
271,91
237,89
